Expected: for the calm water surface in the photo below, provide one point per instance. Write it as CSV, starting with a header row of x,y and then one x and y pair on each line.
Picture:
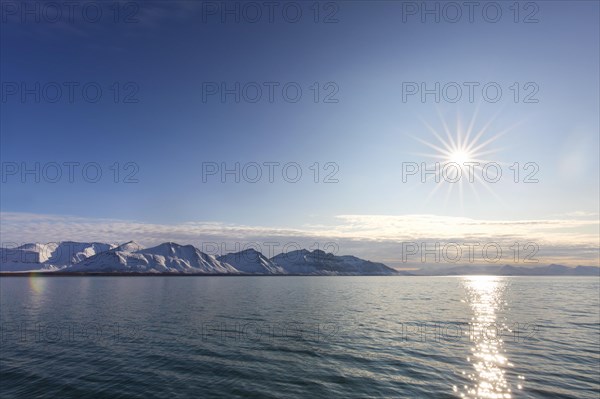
x,y
296,337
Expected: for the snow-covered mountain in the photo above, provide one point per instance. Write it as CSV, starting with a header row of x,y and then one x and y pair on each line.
x,y
174,258
51,256
252,262
322,263
164,258
82,257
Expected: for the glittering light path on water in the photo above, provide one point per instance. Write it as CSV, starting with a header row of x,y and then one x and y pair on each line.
x,y
485,295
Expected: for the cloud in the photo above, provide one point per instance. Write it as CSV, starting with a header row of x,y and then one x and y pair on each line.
x,y
381,238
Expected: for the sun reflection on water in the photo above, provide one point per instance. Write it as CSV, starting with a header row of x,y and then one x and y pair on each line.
x,y
37,285
485,295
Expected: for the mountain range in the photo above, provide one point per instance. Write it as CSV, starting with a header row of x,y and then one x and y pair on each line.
x,y
94,257
170,257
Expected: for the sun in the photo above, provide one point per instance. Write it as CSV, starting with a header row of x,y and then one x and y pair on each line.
x,y
460,156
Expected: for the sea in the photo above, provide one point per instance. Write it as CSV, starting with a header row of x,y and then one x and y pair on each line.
x,y
299,337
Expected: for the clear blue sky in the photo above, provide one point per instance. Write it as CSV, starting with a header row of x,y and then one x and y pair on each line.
x,y
368,133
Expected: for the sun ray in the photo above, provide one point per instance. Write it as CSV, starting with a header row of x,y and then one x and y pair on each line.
x,y
483,130
451,145
472,123
432,193
475,192
494,151
458,131
442,150
495,137
427,155
437,135
448,192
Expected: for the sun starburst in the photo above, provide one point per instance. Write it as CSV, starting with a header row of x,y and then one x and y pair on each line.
x,y
461,156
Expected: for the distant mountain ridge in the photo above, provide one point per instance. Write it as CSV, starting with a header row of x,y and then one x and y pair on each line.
x,y
509,270
170,257
322,263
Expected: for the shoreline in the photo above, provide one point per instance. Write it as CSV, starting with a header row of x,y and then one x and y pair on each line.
x,y
133,274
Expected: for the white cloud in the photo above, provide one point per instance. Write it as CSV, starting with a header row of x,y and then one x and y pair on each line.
x,y
375,237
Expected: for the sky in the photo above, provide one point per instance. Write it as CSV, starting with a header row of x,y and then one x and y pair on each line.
x,y
132,117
